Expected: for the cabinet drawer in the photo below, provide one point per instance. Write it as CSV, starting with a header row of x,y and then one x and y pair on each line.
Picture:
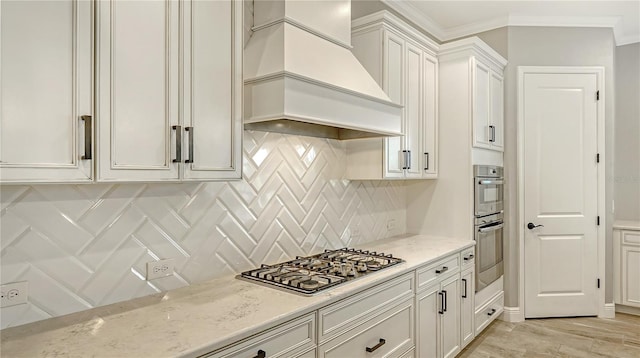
x,y
343,315
430,274
489,311
389,334
467,257
631,238
292,339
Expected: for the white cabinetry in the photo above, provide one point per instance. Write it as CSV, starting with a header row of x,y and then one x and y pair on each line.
x,y
438,309
626,260
46,86
488,108
467,298
168,106
404,64
379,320
296,338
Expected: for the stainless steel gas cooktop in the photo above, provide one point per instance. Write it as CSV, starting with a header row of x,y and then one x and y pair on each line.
x,y
311,274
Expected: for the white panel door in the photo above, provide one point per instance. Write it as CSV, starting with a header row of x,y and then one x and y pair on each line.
x,y
212,89
392,84
497,112
430,117
428,325
467,307
451,317
413,110
137,90
46,85
481,103
560,193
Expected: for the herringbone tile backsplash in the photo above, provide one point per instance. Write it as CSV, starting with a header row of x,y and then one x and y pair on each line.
x,y
83,246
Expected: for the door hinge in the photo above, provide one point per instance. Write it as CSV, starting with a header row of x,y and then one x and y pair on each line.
x,y
598,220
598,158
598,283
597,95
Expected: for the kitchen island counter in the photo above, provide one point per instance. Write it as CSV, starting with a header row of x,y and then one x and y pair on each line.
x,y
201,318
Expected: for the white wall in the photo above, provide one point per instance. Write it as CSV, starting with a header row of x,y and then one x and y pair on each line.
x,y
627,133
553,46
83,246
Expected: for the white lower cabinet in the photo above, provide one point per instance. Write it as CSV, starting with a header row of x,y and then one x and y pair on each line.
x,y
296,338
467,288
488,312
438,313
626,260
389,334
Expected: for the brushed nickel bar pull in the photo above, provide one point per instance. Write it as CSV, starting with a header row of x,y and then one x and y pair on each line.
x,y
443,269
261,354
178,130
88,130
426,167
190,131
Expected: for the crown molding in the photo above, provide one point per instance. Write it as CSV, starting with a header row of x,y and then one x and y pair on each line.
x,y
412,13
416,16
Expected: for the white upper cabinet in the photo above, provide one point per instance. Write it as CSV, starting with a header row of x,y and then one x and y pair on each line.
x,y
46,85
168,107
404,64
488,109
137,100
475,85
212,73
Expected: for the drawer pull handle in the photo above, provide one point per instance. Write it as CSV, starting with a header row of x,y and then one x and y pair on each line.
x,y
443,269
490,313
441,310
261,354
444,300
190,130
380,344
468,257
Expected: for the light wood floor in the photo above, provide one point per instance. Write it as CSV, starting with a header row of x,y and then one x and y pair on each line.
x,y
560,337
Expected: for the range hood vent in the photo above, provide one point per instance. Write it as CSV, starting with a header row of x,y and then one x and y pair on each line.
x,y
300,76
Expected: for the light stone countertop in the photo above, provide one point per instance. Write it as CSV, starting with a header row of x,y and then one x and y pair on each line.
x,y
201,318
626,224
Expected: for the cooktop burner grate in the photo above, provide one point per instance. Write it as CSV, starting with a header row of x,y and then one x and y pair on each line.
x,y
311,274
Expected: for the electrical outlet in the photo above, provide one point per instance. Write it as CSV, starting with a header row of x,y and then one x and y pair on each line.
x,y
391,224
14,293
160,268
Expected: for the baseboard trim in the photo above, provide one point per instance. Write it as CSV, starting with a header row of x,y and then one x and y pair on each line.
x,y
512,314
609,311
628,310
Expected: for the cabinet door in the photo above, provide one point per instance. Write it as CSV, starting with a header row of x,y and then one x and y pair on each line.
x,y
467,307
46,85
137,90
413,110
428,305
631,275
393,85
430,117
212,74
451,318
481,100
497,112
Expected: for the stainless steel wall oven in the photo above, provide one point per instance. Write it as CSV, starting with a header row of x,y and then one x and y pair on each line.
x,y
489,224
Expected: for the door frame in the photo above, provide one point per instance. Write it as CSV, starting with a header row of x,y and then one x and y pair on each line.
x,y
603,310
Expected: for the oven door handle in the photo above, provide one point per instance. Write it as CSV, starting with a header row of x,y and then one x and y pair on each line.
x,y
490,182
491,228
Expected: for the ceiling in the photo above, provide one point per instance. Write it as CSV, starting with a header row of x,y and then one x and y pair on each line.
x,y
447,20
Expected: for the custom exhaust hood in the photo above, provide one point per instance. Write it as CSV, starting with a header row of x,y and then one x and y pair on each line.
x,y
300,76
